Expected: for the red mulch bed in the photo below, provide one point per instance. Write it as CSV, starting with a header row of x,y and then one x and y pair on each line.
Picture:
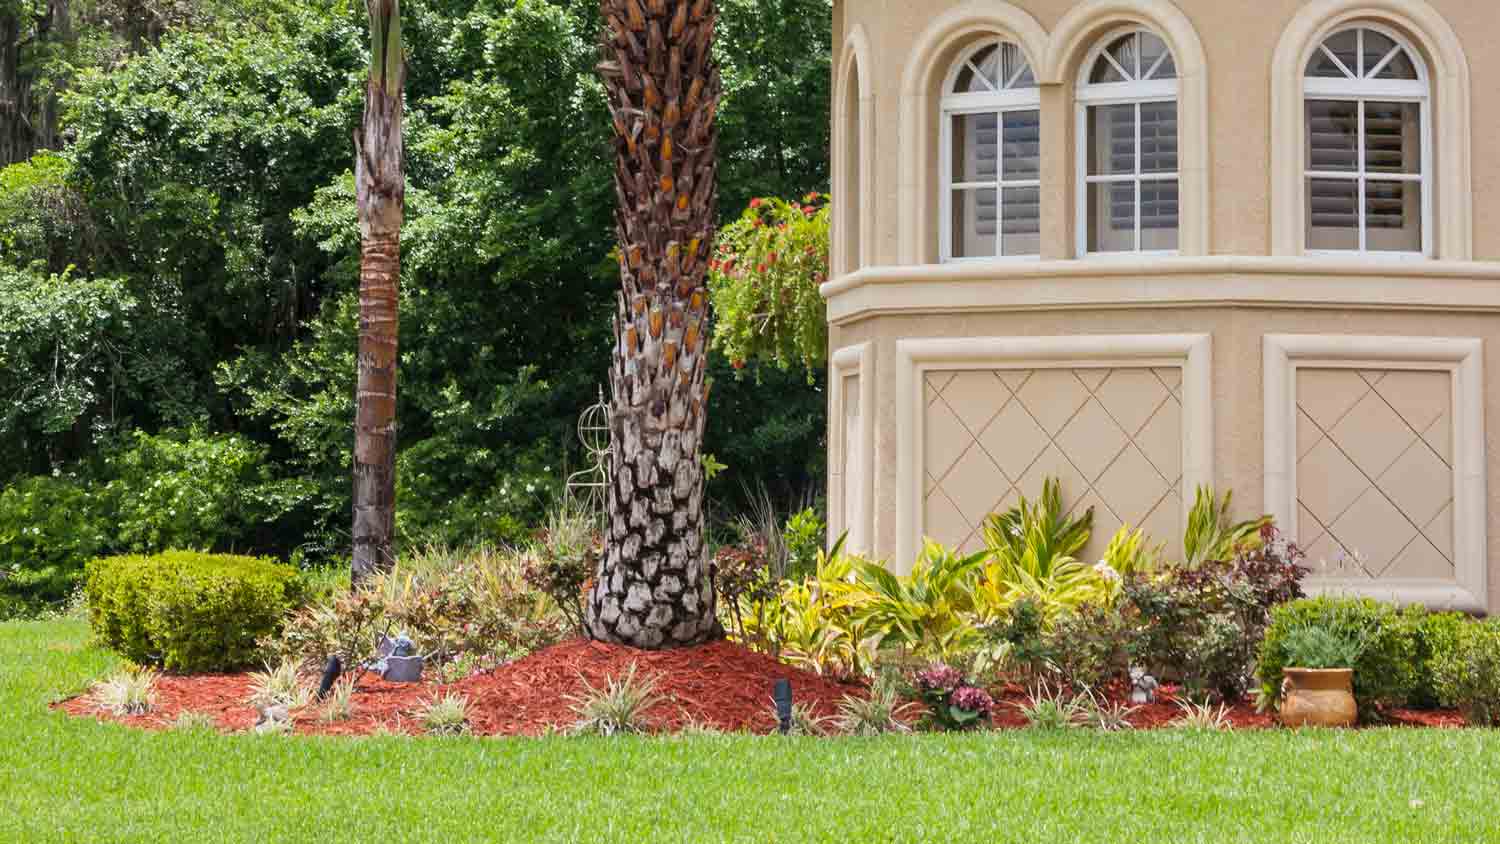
x,y
719,685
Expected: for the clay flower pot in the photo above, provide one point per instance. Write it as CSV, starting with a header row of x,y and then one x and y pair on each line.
x,y
1318,697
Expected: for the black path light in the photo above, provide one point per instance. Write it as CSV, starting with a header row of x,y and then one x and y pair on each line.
x,y
331,673
782,694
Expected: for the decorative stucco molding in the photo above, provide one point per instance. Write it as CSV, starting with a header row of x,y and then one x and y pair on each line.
x,y
1284,354
1153,281
917,198
854,122
1449,74
852,363
914,357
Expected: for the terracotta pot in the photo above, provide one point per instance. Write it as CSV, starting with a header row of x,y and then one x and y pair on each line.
x,y
1318,697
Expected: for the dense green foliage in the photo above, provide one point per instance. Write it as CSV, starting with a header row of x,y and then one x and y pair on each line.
x,y
67,779
186,265
188,611
1434,636
178,489
1467,675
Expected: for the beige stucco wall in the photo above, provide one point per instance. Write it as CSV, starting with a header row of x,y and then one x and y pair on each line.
x,y
1236,380
1242,288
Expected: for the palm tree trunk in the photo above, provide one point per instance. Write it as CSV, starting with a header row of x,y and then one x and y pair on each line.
x,y
653,589
380,185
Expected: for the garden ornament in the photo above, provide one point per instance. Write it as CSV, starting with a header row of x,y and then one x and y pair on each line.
x,y
1142,686
272,718
397,660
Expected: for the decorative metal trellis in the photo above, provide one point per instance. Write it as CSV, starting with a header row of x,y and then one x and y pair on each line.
x,y
585,489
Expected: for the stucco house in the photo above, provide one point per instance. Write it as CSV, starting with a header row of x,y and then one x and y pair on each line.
x,y
1146,245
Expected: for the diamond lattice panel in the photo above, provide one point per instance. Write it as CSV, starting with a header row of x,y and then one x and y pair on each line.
x,y
1375,472
1113,437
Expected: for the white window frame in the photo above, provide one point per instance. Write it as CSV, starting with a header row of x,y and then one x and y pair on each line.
x,y
1137,93
1359,91
997,103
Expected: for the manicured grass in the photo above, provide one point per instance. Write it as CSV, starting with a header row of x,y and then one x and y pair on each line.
x,y
65,779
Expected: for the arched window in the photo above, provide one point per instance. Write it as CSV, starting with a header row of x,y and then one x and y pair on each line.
x,y
991,161
1365,100
1127,118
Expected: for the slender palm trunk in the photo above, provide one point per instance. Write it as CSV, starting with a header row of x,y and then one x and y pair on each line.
x,y
653,589
380,185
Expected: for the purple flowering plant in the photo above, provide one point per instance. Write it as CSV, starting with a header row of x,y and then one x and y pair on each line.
x,y
953,703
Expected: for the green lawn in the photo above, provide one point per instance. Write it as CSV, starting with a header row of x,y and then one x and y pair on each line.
x,y
64,779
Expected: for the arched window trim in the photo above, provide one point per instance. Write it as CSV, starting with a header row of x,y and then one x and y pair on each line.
x,y
1007,99
853,223
1086,95
1423,25
1362,89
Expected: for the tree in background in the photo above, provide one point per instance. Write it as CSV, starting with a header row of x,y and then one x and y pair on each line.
x,y
187,265
652,589
380,185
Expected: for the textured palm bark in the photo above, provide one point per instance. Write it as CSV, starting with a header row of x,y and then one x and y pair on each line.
x,y
652,589
380,186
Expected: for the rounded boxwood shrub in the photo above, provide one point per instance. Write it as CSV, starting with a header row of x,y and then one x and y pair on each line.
x,y
1386,671
1468,674
1435,635
187,610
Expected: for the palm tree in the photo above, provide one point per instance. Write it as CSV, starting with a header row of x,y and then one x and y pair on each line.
x,y
380,187
652,588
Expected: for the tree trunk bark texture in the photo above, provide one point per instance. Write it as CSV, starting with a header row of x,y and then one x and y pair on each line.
x,y
28,124
380,185
652,588
17,137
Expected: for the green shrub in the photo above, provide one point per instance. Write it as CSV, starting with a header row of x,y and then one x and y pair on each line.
x,y
186,610
1436,635
1385,672
1091,646
1468,675
803,539
49,528
1203,624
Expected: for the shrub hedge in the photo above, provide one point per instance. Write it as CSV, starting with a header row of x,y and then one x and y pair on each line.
x,y
1468,675
1435,635
187,610
1387,669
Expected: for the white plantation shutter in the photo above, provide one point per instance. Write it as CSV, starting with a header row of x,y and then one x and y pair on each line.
x,y
1365,178
984,147
1129,196
991,148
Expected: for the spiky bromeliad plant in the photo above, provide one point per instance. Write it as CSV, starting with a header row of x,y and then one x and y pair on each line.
x,y
380,190
663,87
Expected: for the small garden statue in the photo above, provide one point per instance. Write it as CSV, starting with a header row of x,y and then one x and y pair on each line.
x,y
1142,686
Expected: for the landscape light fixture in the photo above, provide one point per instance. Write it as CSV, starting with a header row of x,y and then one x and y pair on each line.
x,y
331,673
782,694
